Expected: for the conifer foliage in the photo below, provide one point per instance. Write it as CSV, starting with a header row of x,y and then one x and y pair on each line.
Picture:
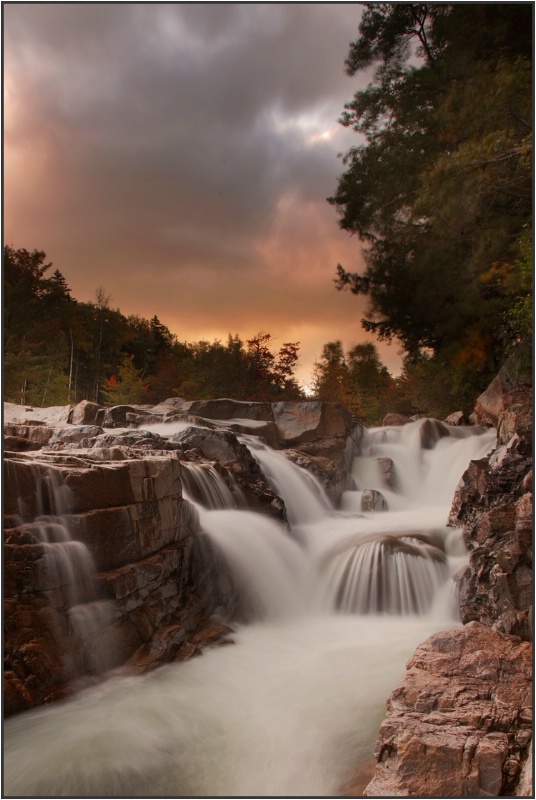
x,y
438,187
58,350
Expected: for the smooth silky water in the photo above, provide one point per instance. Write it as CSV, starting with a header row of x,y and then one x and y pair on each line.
x,y
296,703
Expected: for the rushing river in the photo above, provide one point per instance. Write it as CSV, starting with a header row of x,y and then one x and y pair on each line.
x,y
294,706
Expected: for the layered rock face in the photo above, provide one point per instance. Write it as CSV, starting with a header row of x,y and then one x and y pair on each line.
x,y
459,724
129,539
103,509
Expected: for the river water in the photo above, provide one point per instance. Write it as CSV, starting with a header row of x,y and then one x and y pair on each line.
x,y
338,604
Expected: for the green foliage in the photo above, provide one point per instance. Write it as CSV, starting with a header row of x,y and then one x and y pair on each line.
x,y
126,387
519,317
59,351
359,381
440,190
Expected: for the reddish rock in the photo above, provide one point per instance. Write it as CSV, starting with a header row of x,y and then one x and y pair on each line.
x,y
459,722
156,571
507,402
457,418
298,423
493,504
85,413
334,478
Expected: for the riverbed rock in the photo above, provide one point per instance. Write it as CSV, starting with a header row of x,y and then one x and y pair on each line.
x,y
84,413
75,434
387,471
493,504
153,568
372,501
235,464
333,477
431,431
33,435
507,402
456,418
459,722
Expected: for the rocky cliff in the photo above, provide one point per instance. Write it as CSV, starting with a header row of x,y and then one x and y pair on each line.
x,y
459,724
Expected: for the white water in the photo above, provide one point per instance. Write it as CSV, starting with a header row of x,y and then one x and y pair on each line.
x,y
70,571
297,702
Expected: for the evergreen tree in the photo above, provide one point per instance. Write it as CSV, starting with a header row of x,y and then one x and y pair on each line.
x,y
440,190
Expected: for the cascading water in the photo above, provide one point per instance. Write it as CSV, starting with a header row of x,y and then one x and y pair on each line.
x,y
341,601
69,572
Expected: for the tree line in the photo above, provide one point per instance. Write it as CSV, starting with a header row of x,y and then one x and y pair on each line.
x,y
438,187
58,350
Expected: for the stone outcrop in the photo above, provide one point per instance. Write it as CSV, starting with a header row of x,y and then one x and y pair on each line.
x,y
334,478
507,402
85,413
153,570
373,500
459,723
234,463
31,436
493,503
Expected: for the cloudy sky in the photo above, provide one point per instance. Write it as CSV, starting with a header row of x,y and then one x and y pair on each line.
x,y
179,155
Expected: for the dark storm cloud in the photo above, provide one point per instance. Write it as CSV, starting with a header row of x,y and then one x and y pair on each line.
x,y
156,148
178,106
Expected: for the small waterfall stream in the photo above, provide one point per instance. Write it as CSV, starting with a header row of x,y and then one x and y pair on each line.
x,y
339,602
71,574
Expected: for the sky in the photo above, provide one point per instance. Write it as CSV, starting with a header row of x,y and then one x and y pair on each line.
x,y
179,156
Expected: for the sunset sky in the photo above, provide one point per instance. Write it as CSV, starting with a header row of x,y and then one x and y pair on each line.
x,y
180,155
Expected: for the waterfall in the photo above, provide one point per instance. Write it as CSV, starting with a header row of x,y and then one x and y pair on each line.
x,y
68,571
338,603
302,493
204,485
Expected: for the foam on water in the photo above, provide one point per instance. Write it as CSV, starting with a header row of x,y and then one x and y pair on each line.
x,y
296,703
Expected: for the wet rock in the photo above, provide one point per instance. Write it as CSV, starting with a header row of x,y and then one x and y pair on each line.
x,y
141,439
507,402
75,434
493,504
224,448
431,432
372,500
153,565
31,436
387,471
116,416
332,475
457,418
299,423
454,726
85,413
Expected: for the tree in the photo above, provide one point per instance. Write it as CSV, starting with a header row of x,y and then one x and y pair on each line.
x,y
358,380
126,387
36,343
330,374
440,190
270,377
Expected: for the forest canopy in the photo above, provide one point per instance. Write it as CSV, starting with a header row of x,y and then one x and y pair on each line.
x,y
58,350
438,187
